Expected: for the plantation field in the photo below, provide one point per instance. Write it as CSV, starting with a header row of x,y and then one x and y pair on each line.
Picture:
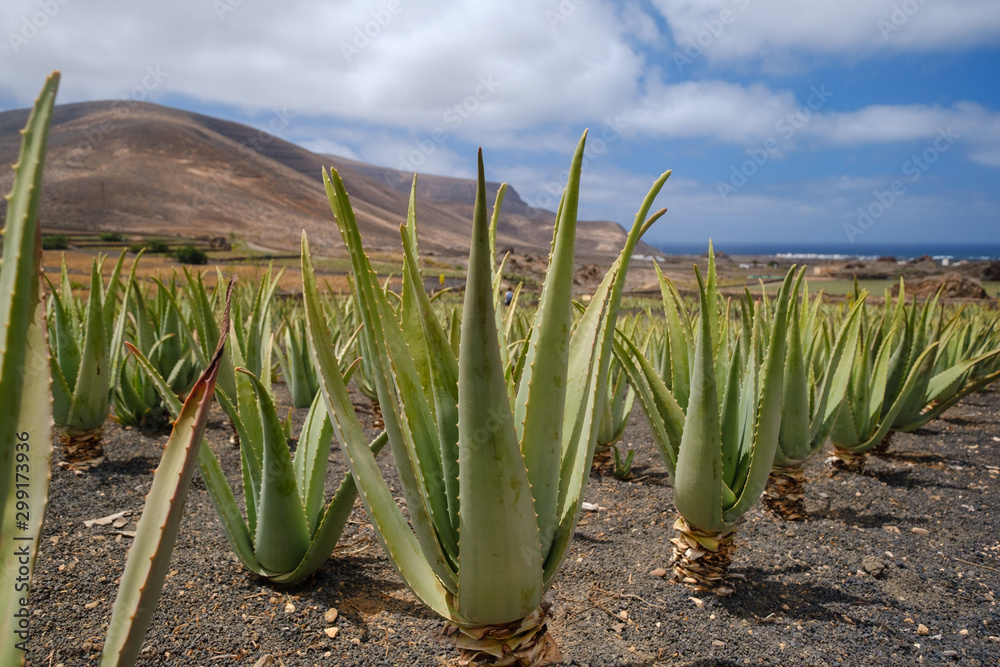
x,y
894,566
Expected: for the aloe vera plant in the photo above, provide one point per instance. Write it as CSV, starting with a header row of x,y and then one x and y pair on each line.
x,y
492,470
809,408
82,342
719,448
26,408
869,409
156,327
285,536
944,376
296,366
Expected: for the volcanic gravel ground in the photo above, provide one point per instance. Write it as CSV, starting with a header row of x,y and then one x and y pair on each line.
x,y
898,565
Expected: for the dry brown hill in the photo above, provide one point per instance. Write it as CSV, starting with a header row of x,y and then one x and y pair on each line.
x,y
139,168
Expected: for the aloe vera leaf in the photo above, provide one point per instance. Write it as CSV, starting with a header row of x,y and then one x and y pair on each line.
x,y
149,557
66,359
679,340
31,446
245,415
110,296
942,381
399,542
736,454
442,373
282,536
26,410
768,421
662,411
88,409
541,395
589,358
794,443
698,481
877,385
732,418
331,524
885,424
117,334
72,304
413,437
497,273
500,562
233,524
837,375
310,461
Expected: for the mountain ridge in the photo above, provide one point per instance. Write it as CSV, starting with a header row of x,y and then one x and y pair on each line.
x,y
142,168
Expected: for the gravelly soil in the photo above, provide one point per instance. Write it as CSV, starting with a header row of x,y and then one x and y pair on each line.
x,y
898,565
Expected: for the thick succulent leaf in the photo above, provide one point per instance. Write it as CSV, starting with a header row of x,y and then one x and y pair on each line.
x,y
223,499
794,443
310,460
589,358
500,561
413,437
769,406
331,525
942,402
282,536
26,458
441,368
149,556
737,412
399,542
541,395
680,341
18,272
837,374
665,417
88,409
698,480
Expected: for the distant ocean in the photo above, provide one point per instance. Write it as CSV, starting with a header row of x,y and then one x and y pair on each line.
x,y
989,251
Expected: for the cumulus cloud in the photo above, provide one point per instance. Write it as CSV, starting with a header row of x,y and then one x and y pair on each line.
x,y
462,66
734,30
968,124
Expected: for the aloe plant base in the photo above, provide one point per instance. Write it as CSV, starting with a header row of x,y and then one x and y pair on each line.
x,y
785,493
82,451
524,643
844,460
701,560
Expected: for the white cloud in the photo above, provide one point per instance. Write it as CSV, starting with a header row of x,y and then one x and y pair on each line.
x,y
965,123
771,30
714,110
463,67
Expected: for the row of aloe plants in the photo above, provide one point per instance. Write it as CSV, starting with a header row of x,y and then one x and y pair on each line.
x,y
493,412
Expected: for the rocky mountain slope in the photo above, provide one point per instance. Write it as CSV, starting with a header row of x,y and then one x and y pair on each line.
x,y
138,168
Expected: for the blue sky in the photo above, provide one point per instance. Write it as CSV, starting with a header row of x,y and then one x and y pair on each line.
x,y
858,122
